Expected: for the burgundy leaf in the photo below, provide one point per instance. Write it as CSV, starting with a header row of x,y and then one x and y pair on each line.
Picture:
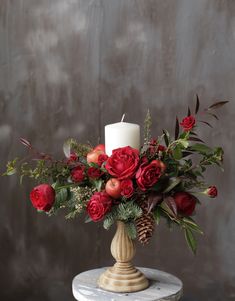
x,y
25,142
197,104
153,200
171,204
218,104
177,128
193,134
195,139
207,123
189,112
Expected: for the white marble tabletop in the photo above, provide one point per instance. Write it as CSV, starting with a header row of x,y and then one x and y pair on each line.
x,y
163,287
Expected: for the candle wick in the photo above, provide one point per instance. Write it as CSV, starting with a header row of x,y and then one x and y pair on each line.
x,y
123,116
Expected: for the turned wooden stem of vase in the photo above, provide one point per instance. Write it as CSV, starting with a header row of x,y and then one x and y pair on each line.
x,y
123,277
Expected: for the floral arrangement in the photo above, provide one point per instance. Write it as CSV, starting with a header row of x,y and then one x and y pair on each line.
x,y
162,180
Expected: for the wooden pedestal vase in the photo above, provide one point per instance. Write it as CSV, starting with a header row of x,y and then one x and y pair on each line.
x,y
123,277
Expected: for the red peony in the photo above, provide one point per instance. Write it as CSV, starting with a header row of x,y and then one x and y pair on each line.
x,y
102,158
43,197
185,203
188,123
123,162
78,173
127,188
148,174
94,173
99,204
212,191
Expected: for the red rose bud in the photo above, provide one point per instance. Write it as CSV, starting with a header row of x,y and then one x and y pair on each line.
x,y
188,123
78,173
185,203
94,173
211,191
123,162
43,197
127,188
148,174
99,204
102,158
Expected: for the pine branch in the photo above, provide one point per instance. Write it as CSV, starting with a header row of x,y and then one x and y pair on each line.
x,y
131,230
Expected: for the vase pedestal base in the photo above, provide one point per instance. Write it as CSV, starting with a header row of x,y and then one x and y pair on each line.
x,y
123,278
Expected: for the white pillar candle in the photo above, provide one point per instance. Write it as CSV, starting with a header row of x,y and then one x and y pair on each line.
x,y
121,134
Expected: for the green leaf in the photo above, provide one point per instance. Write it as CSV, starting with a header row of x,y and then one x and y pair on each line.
x,y
189,111
197,104
201,148
177,153
10,172
166,207
98,184
166,137
190,239
183,142
218,104
185,135
61,196
157,214
177,128
88,219
189,223
172,184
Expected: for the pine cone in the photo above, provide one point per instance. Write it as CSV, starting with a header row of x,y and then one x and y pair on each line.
x,y
145,224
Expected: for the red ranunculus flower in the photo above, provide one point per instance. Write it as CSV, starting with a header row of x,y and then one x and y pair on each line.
x,y
78,173
99,204
94,172
161,148
188,123
212,191
123,162
127,188
185,203
72,158
102,158
43,197
148,174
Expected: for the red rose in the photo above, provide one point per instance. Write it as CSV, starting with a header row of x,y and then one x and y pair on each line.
x,y
94,172
127,188
185,203
102,158
99,204
123,162
148,174
78,174
43,197
188,123
212,191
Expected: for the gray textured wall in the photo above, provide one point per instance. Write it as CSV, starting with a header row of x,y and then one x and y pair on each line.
x,y
67,68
